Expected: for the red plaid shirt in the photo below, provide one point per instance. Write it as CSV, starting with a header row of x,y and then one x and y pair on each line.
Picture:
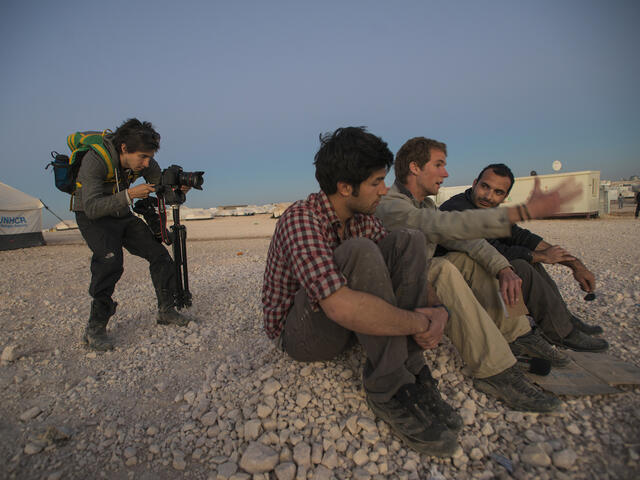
x,y
301,256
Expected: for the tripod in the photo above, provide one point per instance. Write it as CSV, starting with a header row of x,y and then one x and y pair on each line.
x,y
179,237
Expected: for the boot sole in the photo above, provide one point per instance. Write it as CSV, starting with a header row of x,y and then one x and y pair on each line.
x,y
496,393
444,447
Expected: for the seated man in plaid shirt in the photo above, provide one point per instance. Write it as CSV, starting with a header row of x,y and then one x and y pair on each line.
x,y
334,275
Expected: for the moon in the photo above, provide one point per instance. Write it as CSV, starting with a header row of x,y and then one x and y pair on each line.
x,y
556,165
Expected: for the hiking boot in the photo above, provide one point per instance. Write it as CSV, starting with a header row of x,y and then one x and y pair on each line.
x,y
581,342
95,335
96,338
169,316
410,421
514,389
533,345
585,327
433,401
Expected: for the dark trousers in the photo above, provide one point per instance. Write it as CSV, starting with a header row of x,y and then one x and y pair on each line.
x,y
106,237
543,299
394,270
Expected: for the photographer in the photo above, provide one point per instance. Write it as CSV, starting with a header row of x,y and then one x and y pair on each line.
x,y
107,224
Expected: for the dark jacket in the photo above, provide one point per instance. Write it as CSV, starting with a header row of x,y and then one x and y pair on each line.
x,y
97,197
520,244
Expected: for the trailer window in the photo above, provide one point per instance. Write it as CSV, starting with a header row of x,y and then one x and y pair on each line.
x,y
593,187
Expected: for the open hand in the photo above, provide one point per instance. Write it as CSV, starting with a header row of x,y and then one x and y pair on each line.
x,y
543,204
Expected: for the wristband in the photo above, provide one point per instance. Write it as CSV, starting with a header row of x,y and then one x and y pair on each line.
x,y
440,305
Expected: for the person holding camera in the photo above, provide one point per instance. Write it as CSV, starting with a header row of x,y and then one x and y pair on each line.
x,y
101,206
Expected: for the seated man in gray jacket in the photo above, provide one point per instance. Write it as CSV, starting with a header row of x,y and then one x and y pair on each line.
x,y
527,253
490,353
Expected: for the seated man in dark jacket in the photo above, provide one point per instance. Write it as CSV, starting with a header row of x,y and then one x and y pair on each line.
x,y
527,252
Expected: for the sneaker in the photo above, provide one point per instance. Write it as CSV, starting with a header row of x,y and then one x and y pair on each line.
x,y
533,345
581,342
585,327
434,402
409,421
514,389
171,317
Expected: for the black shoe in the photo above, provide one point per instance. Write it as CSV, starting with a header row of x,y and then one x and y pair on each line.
x,y
534,345
585,327
581,342
408,420
96,338
170,316
434,402
514,389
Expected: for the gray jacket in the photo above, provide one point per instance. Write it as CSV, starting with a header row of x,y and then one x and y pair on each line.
x,y
460,231
98,198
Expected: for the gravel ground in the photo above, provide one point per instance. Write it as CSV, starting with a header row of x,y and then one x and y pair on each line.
x,y
215,401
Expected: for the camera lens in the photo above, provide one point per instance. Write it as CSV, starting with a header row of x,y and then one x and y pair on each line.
x,y
191,179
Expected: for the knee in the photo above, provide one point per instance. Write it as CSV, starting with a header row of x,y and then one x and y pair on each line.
x,y
357,249
523,268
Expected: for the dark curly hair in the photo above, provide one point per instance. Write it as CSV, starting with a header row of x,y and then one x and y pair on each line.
x,y
350,155
416,150
137,136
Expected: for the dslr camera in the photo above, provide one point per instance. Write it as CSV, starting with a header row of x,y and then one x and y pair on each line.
x,y
174,177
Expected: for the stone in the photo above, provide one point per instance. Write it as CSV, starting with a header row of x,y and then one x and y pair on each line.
x,y
330,458
468,417
9,354
179,463
33,447
252,430
226,470
574,429
258,458
302,454
30,414
285,471
209,419
303,399
476,454
271,386
322,473
360,457
536,456
564,459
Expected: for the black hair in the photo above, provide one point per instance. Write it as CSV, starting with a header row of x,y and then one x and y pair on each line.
x,y
418,150
499,169
350,155
137,136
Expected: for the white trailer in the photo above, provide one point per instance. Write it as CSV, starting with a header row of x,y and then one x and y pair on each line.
x,y
587,204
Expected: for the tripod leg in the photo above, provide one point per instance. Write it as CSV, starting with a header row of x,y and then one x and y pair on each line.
x,y
186,292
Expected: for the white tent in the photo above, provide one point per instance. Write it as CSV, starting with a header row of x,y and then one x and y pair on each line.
x,y
20,219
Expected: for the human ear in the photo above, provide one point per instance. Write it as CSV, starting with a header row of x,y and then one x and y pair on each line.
x,y
344,189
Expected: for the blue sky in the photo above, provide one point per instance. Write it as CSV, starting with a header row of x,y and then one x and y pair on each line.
x,y
241,89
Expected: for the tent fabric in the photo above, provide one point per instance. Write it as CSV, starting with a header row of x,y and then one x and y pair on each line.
x,y
20,219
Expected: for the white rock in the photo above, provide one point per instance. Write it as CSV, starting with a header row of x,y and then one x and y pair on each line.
x,y
360,457
9,354
271,386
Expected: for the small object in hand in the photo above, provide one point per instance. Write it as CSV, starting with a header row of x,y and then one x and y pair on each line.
x,y
590,296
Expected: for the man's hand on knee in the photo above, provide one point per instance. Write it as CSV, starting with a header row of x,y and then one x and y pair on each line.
x,y
433,335
510,285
